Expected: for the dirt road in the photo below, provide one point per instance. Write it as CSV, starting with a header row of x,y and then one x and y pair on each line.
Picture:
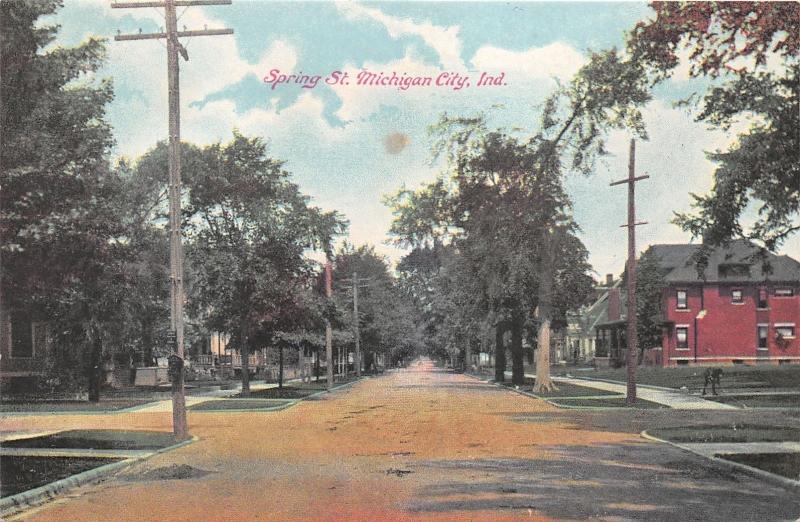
x,y
416,444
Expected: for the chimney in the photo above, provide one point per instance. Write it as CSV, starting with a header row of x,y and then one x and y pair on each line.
x,y
609,280
613,304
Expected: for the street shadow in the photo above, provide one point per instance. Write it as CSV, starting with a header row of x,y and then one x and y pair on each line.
x,y
618,481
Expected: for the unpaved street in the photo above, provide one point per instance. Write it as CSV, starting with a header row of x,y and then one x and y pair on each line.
x,y
415,444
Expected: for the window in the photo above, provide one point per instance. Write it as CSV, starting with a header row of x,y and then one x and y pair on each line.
x,y
736,296
784,330
734,270
784,292
681,300
763,298
682,337
762,336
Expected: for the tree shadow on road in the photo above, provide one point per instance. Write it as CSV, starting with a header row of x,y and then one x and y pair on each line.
x,y
627,481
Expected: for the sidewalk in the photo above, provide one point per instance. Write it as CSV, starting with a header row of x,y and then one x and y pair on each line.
x,y
674,399
166,405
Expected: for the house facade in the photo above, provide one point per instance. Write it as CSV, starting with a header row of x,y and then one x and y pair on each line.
x,y
742,308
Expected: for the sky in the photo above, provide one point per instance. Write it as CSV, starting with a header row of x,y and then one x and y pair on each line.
x,y
349,145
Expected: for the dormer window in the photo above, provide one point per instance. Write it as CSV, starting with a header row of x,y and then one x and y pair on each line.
x,y
734,270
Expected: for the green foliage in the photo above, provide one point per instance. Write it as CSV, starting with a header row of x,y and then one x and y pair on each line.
x,y
249,228
650,286
54,169
385,313
494,240
751,51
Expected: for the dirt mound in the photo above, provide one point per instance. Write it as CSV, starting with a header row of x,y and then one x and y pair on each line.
x,y
173,472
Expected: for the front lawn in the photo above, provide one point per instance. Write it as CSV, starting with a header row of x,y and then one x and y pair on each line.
x,y
18,474
611,402
728,433
783,464
757,401
564,390
70,406
97,439
294,390
241,404
734,376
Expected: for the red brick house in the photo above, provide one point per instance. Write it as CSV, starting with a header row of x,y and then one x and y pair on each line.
x,y
734,313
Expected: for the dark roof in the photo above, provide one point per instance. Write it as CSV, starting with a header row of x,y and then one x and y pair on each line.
x,y
737,262
597,314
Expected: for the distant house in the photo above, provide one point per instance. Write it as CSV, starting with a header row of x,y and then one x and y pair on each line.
x,y
580,342
744,308
23,349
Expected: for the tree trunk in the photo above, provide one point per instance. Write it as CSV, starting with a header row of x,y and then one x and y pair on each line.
x,y
245,354
316,365
467,355
517,357
499,353
147,342
95,368
280,366
545,312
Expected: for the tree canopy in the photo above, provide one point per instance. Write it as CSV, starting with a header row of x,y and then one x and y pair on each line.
x,y
750,51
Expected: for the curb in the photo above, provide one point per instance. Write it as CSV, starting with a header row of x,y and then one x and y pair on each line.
x,y
34,497
280,407
787,483
322,392
292,402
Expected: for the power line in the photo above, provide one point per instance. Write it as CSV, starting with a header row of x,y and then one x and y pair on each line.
x,y
174,47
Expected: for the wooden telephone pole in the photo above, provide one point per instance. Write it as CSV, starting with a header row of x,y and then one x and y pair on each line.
x,y
631,270
174,47
356,322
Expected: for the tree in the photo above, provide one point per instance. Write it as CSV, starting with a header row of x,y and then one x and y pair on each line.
x,y
650,286
505,213
57,224
248,230
749,51
386,317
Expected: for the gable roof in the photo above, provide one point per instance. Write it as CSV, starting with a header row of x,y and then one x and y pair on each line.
x,y
597,313
741,255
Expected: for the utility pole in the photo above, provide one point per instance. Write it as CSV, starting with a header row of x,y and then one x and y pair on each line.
x,y
357,325
179,425
328,331
631,180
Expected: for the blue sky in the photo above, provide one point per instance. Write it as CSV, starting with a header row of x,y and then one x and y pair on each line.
x,y
333,136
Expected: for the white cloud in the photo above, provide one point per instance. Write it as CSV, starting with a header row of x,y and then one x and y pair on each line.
x,y
443,40
556,60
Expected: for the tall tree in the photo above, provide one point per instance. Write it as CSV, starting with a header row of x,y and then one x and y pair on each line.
x,y
249,230
750,53
57,222
53,158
